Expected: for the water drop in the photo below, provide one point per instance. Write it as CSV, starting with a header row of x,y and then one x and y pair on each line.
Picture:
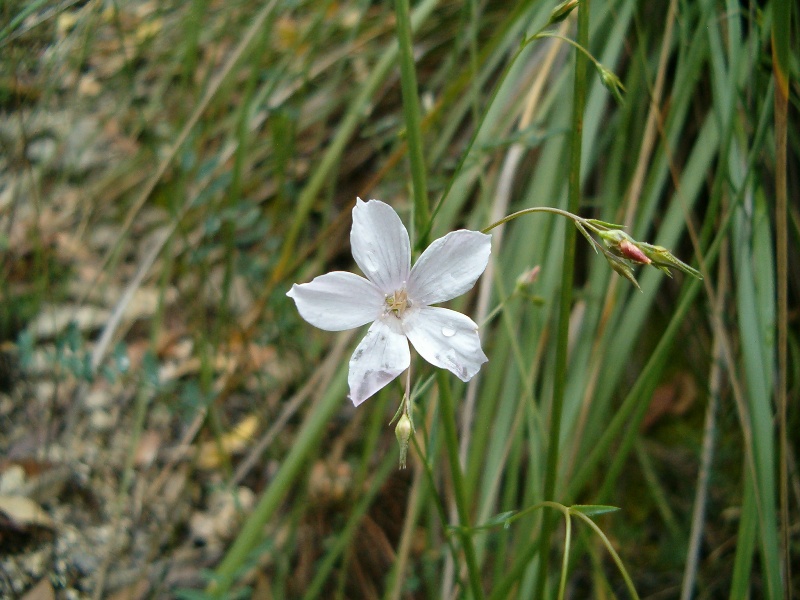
x,y
447,332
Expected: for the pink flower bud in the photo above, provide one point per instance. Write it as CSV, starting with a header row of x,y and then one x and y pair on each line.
x,y
632,252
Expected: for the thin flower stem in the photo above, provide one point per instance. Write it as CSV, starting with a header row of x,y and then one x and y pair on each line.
x,y
447,413
548,34
503,589
494,312
564,510
537,209
467,151
408,403
408,83
565,303
611,551
562,584
408,406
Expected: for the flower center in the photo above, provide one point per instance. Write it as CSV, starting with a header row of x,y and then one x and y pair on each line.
x,y
397,302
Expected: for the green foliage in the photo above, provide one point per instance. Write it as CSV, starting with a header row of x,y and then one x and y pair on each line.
x,y
593,510
258,126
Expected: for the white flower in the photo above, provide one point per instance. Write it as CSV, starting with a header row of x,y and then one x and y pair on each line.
x,y
397,300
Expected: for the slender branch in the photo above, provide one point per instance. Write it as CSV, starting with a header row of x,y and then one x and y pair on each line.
x,y
548,34
565,301
535,209
609,546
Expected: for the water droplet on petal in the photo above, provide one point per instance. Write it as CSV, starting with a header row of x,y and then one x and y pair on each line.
x,y
447,332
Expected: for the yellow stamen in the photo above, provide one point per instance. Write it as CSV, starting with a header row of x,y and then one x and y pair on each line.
x,y
397,302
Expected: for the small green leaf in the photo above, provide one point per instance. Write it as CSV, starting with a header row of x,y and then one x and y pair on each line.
x,y
587,236
607,225
622,268
493,521
592,510
663,258
499,519
562,11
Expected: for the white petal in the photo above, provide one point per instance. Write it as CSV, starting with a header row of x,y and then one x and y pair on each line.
x,y
380,357
449,266
380,245
446,339
338,301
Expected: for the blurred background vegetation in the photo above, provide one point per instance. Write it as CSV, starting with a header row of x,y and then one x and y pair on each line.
x,y
170,427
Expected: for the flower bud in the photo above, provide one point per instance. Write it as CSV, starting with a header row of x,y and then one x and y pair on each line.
x,y
622,246
613,237
611,83
632,252
562,11
403,432
625,246
528,276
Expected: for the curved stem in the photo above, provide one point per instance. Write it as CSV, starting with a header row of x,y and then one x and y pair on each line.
x,y
547,34
466,154
611,551
565,303
536,209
